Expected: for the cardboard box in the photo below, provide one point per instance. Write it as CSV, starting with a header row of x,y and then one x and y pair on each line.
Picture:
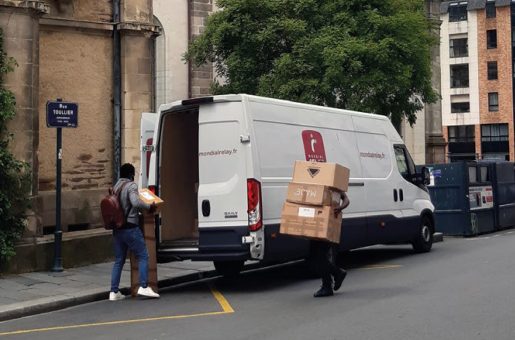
x,y
315,222
328,174
149,197
312,194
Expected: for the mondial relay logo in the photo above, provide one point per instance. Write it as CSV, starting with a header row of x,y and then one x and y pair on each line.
x,y
313,146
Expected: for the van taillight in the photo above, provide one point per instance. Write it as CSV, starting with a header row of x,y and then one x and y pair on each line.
x,y
254,204
149,143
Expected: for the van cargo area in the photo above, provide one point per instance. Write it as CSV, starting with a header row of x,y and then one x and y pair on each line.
x,y
178,179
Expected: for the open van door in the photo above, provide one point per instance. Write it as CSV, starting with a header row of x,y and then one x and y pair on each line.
x,y
147,127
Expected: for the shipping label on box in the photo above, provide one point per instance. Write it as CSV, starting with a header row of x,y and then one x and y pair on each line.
x,y
149,197
313,194
328,174
311,222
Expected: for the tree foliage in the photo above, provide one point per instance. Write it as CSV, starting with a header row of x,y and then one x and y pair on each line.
x,y
14,174
371,56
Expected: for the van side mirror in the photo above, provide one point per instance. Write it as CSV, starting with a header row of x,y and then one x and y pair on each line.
x,y
422,176
426,176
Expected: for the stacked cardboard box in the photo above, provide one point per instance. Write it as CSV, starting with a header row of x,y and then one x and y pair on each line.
x,y
312,196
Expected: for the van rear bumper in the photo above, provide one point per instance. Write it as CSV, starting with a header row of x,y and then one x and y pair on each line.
x,y
214,244
163,256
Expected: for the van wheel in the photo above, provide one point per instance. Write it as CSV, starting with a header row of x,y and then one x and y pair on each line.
x,y
424,239
228,268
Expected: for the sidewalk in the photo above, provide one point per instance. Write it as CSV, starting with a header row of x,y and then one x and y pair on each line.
x,y
39,292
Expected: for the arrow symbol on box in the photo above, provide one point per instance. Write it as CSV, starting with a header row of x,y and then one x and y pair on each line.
x,y
313,171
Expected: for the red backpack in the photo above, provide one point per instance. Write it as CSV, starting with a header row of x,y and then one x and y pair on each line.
x,y
112,210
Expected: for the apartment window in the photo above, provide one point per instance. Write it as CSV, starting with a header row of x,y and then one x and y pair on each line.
x,y
491,39
490,9
460,107
492,70
494,133
493,101
459,75
461,134
458,12
495,143
458,47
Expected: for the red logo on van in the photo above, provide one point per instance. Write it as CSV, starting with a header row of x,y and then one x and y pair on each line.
x,y
313,146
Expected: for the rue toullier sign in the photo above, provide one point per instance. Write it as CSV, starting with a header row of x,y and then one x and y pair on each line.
x,y
61,114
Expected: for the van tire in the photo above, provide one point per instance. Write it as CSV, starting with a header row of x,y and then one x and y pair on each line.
x,y
424,239
228,268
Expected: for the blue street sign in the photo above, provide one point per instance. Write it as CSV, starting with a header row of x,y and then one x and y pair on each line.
x,y
62,114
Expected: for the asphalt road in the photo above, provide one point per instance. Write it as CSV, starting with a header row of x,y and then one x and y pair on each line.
x,y
463,289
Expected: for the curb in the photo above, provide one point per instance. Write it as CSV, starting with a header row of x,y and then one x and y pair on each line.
x,y
50,304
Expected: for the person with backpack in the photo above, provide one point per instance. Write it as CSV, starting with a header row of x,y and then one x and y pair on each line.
x,y
129,236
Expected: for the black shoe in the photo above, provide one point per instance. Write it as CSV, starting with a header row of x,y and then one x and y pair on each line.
x,y
338,279
324,291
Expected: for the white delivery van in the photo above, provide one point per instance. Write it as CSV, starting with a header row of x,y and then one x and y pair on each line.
x,y
222,165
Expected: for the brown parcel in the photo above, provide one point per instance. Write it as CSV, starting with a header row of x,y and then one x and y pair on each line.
x,y
315,222
329,174
149,197
312,194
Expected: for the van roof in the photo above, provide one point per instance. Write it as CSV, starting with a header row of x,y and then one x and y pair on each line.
x,y
252,98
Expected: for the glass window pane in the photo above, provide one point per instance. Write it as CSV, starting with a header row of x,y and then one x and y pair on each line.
x,y
490,9
401,161
493,101
457,12
492,70
491,39
472,174
459,75
484,174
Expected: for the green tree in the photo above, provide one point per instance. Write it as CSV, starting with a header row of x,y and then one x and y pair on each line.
x,y
14,174
371,56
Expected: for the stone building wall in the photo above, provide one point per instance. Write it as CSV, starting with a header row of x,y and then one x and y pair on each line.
x,y
201,78
65,50
19,22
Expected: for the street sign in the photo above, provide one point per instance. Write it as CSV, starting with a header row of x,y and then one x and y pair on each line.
x,y
61,114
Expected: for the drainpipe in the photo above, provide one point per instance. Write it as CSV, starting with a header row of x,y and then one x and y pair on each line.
x,y
117,91
189,40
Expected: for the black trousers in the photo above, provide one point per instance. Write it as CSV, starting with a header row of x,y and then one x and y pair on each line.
x,y
323,255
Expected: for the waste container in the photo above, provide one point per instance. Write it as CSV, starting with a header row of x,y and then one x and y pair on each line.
x,y
503,181
462,194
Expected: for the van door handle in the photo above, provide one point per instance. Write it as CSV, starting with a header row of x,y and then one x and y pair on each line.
x,y
206,208
401,195
395,195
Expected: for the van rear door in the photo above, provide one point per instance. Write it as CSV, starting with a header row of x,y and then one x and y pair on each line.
x,y
222,191
147,127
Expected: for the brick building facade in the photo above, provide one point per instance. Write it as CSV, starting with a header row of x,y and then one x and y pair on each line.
x,y
477,79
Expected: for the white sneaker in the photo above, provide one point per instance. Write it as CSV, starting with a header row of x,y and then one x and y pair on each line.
x,y
116,296
147,292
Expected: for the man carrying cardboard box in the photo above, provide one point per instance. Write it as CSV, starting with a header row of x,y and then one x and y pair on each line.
x,y
323,253
315,199
130,237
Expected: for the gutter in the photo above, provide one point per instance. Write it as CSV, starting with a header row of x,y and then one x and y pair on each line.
x,y
117,91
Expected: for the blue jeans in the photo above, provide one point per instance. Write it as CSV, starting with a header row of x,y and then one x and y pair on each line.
x,y
129,239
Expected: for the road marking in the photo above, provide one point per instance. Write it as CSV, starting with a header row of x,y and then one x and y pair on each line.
x,y
476,238
379,266
222,301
